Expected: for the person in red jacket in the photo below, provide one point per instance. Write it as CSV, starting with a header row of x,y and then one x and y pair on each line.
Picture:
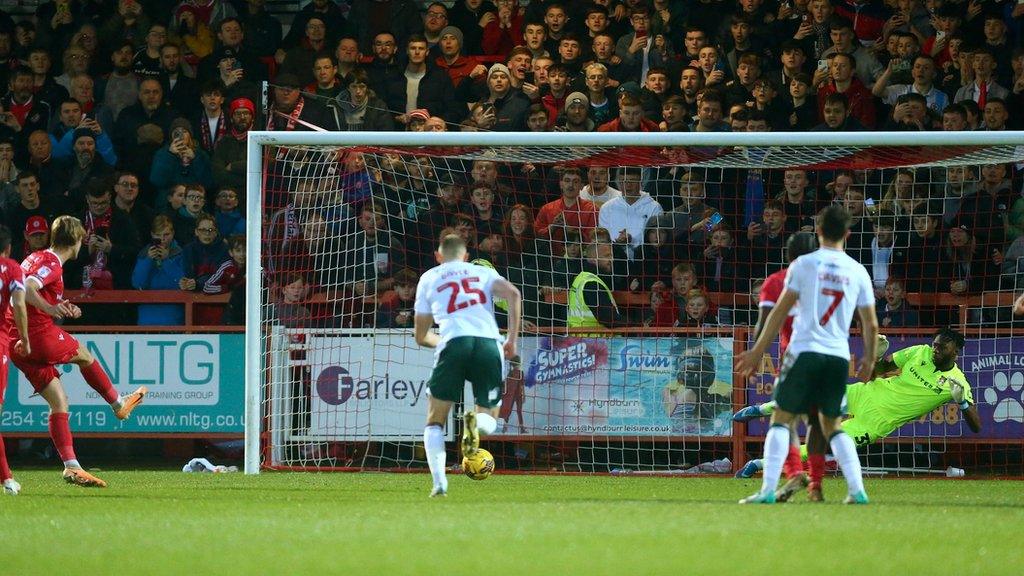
x,y
631,118
451,60
231,273
568,211
862,104
505,32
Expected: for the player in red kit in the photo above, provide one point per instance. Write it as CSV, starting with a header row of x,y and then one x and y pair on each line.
x,y
793,468
798,244
15,316
44,292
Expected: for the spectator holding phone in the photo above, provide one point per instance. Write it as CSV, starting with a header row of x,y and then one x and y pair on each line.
x,y
159,266
110,245
128,22
507,105
104,146
181,160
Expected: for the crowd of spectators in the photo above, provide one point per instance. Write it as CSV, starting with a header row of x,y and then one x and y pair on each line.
x,y
133,116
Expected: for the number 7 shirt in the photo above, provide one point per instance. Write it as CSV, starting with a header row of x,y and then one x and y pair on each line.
x,y
830,286
459,297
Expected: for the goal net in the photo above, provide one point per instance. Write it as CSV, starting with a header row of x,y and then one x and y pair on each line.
x,y
640,258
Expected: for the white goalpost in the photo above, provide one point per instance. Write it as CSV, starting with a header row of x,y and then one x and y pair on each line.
x,y
340,224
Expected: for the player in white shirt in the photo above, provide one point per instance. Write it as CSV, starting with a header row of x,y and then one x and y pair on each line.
x,y
827,286
460,297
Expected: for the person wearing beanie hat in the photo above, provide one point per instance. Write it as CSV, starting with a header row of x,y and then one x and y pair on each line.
x,y
80,133
508,104
287,79
228,162
576,117
496,68
417,119
452,60
82,165
419,115
576,98
455,32
242,103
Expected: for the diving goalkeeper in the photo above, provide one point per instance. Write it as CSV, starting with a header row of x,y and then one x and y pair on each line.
x,y
920,379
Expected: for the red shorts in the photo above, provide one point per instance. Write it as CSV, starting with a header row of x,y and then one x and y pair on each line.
x,y
4,359
50,346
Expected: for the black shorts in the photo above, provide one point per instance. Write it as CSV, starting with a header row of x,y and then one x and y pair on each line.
x,y
812,379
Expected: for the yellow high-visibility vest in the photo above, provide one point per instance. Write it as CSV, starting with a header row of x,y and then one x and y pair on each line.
x,y
580,315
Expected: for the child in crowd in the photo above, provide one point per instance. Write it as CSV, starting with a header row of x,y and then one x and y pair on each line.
x,y
395,308
229,219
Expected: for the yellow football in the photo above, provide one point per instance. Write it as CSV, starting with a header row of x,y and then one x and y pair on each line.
x,y
478,466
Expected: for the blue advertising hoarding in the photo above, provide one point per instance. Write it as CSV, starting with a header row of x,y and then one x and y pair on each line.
x,y
196,385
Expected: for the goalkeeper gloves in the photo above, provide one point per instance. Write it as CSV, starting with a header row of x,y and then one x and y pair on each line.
x,y
881,347
956,390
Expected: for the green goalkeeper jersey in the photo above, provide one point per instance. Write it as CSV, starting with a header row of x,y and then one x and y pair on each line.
x,y
919,388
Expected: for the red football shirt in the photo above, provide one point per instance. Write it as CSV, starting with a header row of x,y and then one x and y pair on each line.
x,y
771,291
13,280
45,269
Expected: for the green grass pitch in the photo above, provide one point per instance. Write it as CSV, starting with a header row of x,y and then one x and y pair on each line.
x,y
303,523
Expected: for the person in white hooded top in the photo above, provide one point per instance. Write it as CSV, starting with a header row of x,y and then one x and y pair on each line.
x,y
625,217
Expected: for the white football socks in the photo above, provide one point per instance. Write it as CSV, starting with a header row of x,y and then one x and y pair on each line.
x,y
776,447
72,464
485,423
845,452
433,443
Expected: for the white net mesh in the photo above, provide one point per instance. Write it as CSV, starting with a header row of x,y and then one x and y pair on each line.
x,y
349,229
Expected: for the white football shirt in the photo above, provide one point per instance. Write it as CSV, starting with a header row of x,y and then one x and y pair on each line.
x,y
459,296
830,286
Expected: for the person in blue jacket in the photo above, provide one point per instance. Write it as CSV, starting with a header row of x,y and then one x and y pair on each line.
x,y
160,266
181,160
